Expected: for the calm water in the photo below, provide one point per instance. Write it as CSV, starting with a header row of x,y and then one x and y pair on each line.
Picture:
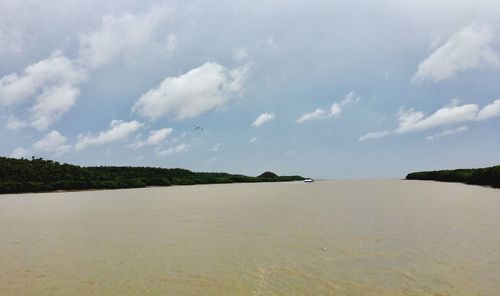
x,y
367,237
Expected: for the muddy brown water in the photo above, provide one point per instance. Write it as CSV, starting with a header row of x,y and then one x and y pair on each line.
x,y
352,237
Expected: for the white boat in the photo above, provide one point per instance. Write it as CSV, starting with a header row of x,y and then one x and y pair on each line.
x,y
309,180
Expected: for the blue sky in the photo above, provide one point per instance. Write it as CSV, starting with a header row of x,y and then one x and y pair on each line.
x,y
328,89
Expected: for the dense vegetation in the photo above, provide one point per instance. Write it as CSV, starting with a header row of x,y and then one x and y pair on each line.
x,y
485,176
38,175
268,175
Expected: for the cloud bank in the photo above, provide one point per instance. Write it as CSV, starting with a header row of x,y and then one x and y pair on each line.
x,y
54,83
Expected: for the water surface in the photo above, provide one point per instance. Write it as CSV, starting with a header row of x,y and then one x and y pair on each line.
x,y
363,237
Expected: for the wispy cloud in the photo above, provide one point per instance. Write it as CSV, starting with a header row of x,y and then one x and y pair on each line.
x,y
412,121
335,109
373,135
118,130
211,160
447,133
172,150
263,118
14,123
156,137
467,49
217,147
415,121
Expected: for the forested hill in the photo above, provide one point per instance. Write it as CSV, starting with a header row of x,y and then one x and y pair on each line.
x,y
38,175
484,176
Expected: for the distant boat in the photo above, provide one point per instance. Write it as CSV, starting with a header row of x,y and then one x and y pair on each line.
x,y
309,180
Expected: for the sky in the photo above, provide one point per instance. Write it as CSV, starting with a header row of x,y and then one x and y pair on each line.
x,y
324,89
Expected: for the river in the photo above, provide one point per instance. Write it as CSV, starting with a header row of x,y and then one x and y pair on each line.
x,y
332,237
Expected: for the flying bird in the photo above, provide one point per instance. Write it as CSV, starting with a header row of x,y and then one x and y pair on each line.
x,y
198,128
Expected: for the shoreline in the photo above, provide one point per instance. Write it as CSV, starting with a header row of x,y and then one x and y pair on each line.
x,y
146,187
488,176
239,183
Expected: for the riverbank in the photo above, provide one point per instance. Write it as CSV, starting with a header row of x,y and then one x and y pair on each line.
x,y
489,176
39,175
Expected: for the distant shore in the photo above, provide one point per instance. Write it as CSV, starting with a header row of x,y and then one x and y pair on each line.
x,y
489,176
62,191
39,175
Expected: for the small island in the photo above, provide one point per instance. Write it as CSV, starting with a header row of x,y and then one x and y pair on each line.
x,y
40,175
489,176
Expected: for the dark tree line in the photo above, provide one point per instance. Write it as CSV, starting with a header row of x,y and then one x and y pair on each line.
x,y
39,175
484,176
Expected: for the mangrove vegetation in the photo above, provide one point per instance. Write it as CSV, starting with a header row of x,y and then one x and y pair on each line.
x,y
40,175
489,176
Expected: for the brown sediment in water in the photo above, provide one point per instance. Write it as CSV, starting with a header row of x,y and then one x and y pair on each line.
x,y
352,237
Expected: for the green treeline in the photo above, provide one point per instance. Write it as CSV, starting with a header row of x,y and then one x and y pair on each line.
x,y
39,175
485,176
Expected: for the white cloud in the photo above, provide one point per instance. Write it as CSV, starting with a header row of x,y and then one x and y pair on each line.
x,y
211,160
447,133
490,111
469,48
52,104
172,150
217,147
193,93
53,142
240,54
351,97
118,130
171,45
415,121
335,109
44,77
54,85
263,118
155,137
317,114
123,35
40,77
410,120
373,135
253,140
14,123
20,152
